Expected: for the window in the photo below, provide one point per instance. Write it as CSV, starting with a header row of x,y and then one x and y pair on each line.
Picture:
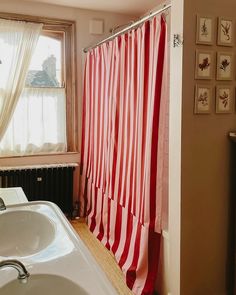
x,y
45,119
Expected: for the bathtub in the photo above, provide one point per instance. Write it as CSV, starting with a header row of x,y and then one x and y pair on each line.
x,y
38,235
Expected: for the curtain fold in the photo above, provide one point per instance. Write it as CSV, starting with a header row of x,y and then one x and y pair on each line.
x,y
38,124
17,43
124,90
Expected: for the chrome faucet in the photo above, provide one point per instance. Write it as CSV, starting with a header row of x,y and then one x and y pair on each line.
x,y
22,272
2,205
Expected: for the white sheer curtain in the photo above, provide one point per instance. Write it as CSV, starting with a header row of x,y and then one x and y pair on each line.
x,y
38,124
17,43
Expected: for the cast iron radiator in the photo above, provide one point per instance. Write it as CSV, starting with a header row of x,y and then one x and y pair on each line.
x,y
45,182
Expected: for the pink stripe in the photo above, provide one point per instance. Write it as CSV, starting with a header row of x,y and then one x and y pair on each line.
x,y
142,265
155,125
101,129
130,266
118,229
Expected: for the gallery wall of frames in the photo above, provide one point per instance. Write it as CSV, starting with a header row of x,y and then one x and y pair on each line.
x,y
215,74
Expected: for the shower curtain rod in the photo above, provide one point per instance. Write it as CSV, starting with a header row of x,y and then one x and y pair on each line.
x,y
133,25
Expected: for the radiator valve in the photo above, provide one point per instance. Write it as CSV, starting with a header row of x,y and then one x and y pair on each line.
x,y
75,213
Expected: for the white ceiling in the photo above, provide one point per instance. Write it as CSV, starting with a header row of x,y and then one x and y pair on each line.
x,y
131,7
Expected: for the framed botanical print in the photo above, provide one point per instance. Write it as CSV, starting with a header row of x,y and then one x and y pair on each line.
x,y
203,98
205,30
204,66
225,31
224,66
224,99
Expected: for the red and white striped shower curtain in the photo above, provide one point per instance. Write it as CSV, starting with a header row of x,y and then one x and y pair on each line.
x,y
123,155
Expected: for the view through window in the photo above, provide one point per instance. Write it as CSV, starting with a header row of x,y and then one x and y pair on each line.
x,y
46,65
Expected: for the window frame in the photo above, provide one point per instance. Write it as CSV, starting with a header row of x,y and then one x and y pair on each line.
x,y
68,28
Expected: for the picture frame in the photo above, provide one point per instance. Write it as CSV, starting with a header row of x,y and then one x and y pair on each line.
x,y
205,32
225,66
203,99
204,64
224,99
225,35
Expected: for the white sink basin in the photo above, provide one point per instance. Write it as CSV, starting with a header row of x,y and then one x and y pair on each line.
x,y
24,233
43,284
39,236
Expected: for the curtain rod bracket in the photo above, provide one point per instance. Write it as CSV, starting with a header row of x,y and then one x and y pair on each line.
x,y
177,40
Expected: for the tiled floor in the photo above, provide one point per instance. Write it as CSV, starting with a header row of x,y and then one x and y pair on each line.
x,y
104,257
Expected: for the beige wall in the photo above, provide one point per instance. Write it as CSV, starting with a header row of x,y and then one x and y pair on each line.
x,y
205,199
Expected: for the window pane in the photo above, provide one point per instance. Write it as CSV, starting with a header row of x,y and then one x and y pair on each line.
x,y
46,65
38,124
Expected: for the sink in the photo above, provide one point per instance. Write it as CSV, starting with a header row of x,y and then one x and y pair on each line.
x,y
43,284
39,236
24,233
